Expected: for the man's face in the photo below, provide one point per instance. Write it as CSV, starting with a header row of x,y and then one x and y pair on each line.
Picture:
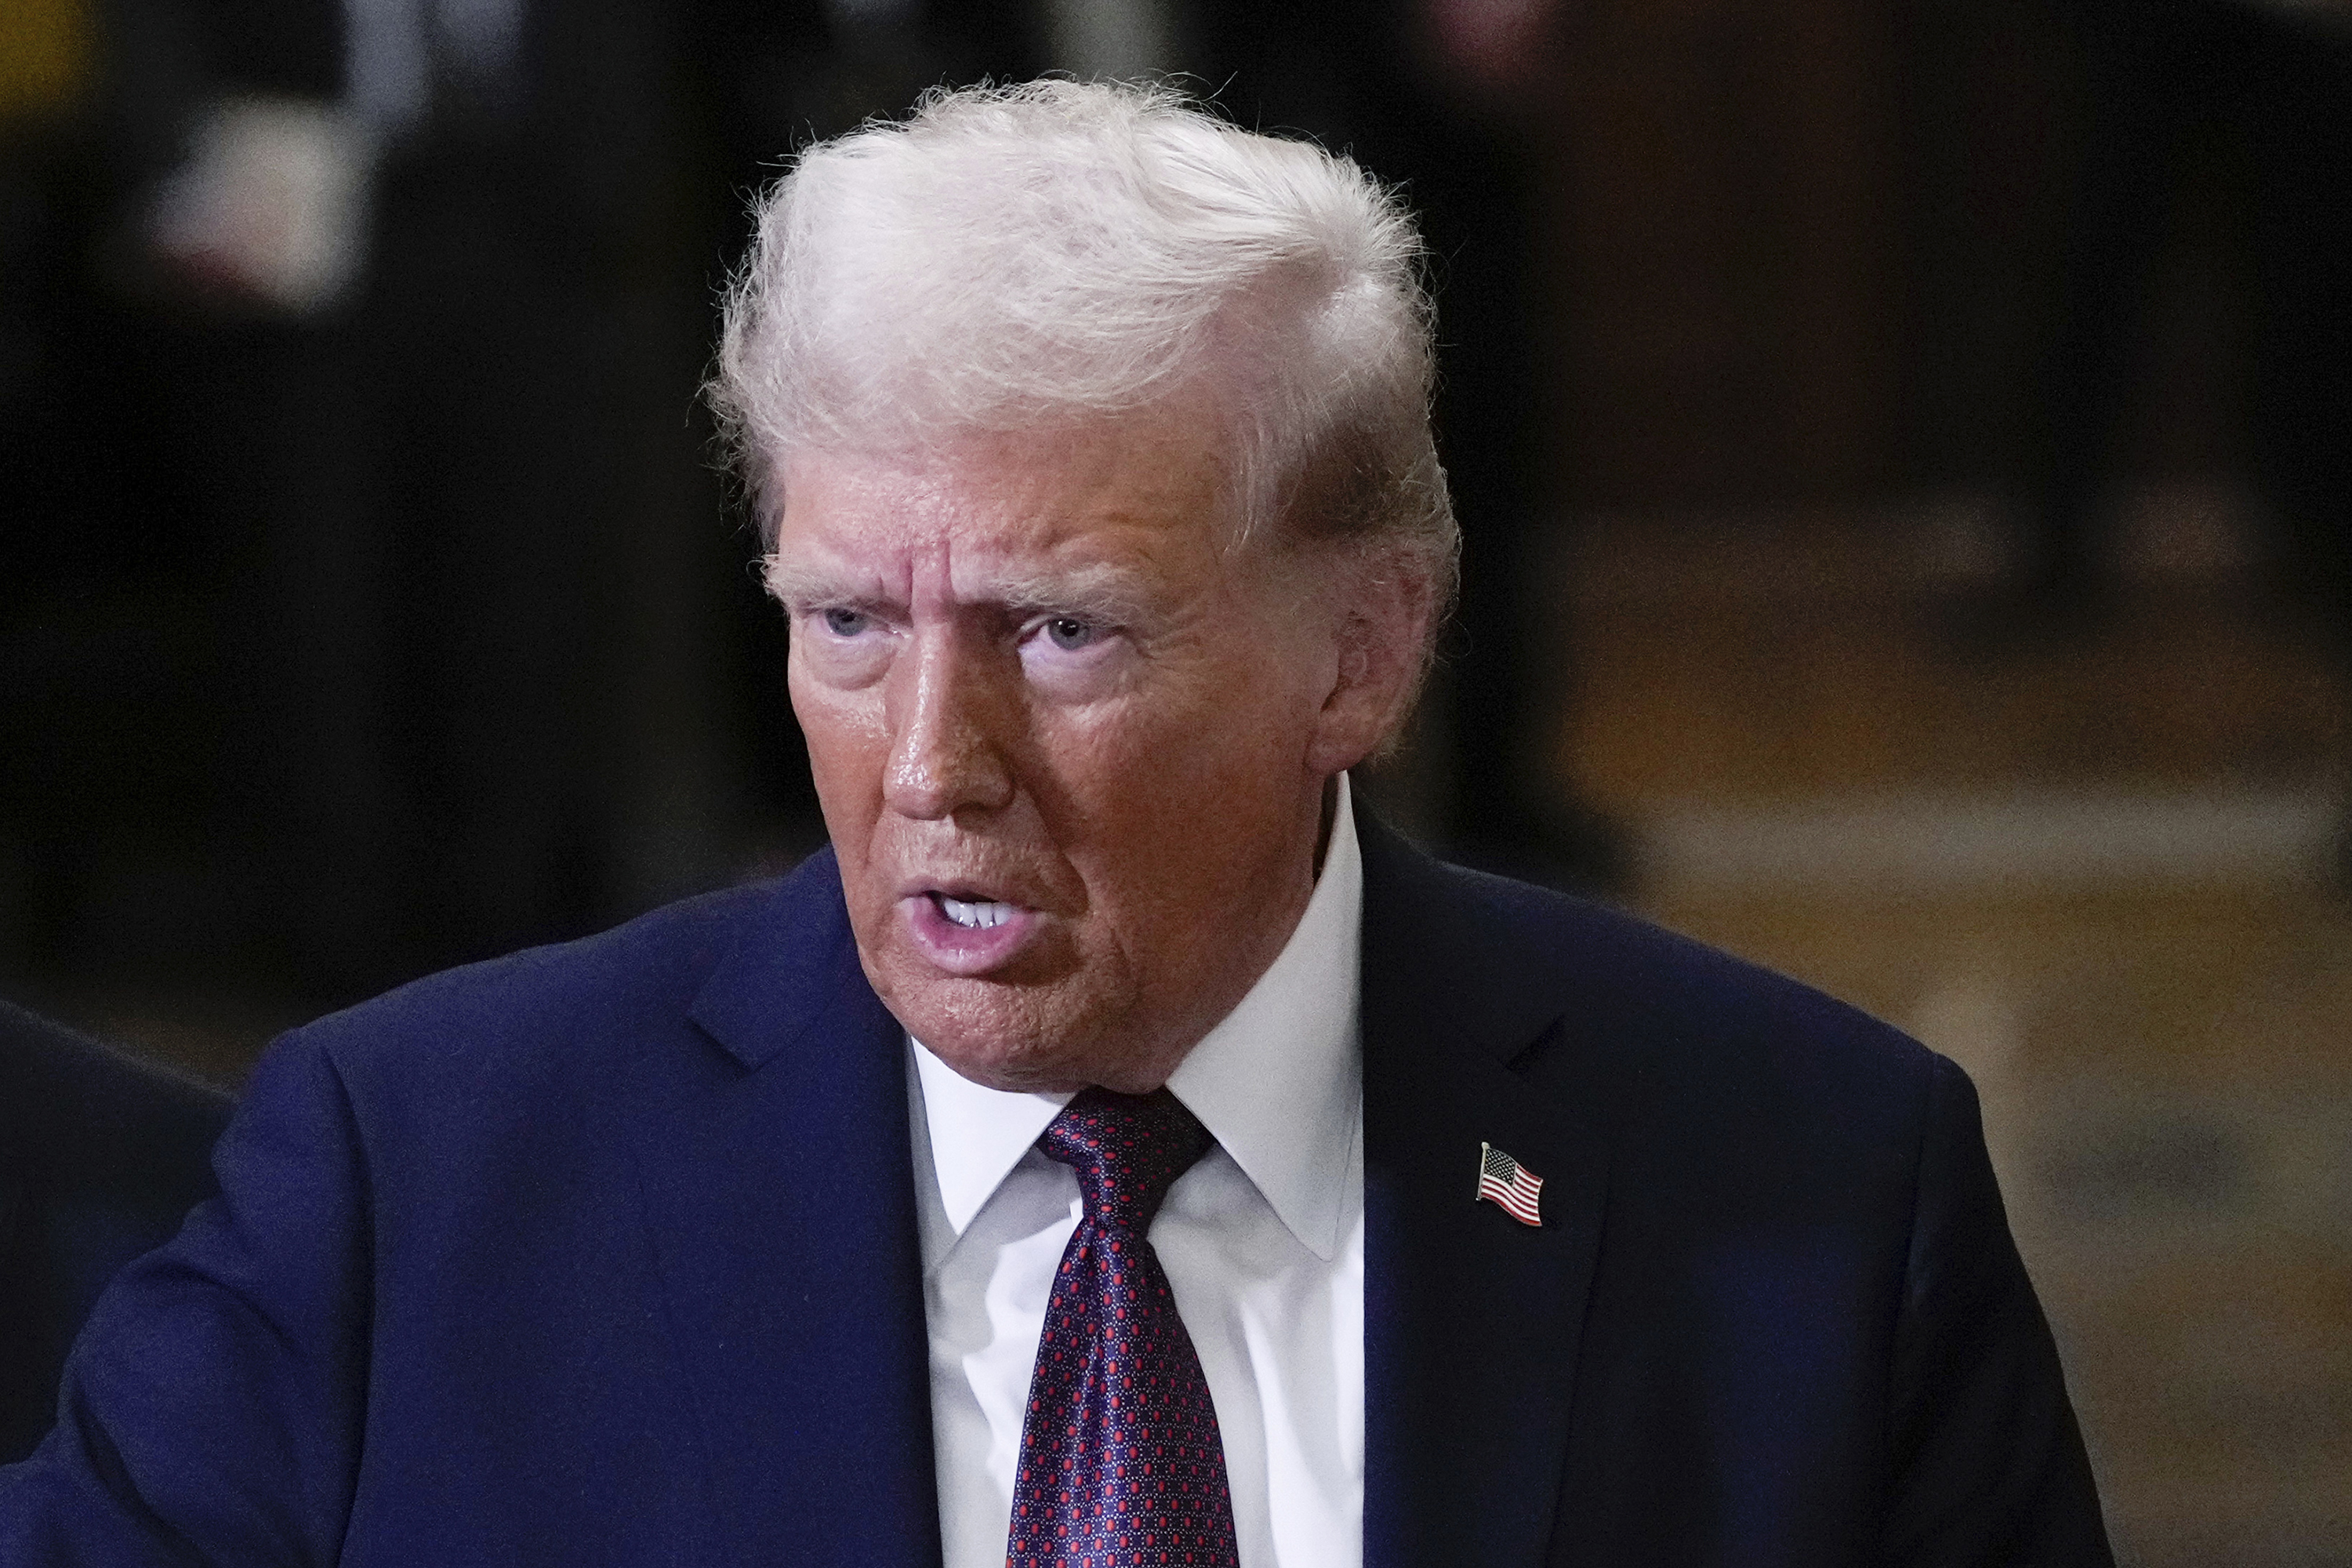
x,y
1069,737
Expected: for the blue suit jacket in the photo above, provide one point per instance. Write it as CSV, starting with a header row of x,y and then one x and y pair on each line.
x,y
606,1254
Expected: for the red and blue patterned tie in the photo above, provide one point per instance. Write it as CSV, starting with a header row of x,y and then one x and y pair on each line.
x,y
1121,1461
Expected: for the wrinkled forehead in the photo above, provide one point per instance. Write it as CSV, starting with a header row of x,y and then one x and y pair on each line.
x,y
1172,461
997,513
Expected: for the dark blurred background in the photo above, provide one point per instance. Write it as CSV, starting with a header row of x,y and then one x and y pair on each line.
x,y
1904,451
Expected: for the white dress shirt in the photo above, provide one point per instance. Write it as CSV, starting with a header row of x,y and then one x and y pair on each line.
x,y
1263,1242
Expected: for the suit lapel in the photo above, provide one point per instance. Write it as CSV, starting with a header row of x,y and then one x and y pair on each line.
x,y
777,1180
1472,1318
781,1198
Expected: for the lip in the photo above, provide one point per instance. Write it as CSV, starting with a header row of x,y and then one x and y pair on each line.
x,y
965,950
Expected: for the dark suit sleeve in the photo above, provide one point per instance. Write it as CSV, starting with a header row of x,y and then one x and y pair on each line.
x,y
1989,1467
212,1408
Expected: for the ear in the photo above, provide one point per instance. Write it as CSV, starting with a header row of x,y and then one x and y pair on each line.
x,y
1382,627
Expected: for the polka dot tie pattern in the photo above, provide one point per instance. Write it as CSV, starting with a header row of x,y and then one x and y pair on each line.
x,y
1121,1466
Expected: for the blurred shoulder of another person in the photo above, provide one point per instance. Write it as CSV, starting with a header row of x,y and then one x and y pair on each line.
x,y
100,1156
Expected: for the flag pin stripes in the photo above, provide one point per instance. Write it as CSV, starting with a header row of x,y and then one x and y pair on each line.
x,y
1509,1184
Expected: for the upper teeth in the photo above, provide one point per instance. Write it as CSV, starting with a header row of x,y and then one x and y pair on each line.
x,y
978,913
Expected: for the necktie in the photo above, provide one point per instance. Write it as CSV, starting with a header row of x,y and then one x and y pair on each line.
x,y
1121,1461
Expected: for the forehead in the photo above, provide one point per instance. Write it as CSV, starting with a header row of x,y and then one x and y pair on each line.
x,y
1150,492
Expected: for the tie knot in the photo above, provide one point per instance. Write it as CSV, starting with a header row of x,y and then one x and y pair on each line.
x,y
1127,1151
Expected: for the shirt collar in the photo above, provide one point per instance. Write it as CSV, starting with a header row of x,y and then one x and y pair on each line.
x,y
1275,1083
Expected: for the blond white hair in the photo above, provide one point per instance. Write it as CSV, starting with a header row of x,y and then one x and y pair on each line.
x,y
1010,255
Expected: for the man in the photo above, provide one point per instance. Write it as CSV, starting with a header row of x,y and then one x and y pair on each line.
x,y
100,1157
1076,1164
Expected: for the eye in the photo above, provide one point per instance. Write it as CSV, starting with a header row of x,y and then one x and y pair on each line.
x,y
847,622
1070,634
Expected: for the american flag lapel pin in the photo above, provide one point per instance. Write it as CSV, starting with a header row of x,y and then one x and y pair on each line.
x,y
1509,1184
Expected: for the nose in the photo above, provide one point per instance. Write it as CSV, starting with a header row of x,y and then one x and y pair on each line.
x,y
947,751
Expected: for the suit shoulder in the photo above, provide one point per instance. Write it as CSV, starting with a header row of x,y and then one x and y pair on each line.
x,y
1661,1015
569,1005
1628,962
1723,1074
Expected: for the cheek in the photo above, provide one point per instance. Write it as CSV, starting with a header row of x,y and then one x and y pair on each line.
x,y
847,746
1176,775
1248,725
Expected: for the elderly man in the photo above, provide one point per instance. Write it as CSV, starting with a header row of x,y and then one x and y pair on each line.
x,y
1114,1149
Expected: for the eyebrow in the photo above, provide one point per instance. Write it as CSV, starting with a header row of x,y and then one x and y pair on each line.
x,y
1100,592
1097,592
796,585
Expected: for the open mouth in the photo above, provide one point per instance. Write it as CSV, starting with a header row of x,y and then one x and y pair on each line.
x,y
967,935
974,914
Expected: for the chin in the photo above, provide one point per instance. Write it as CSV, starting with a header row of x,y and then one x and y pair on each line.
x,y
991,1033
1017,1065
1013,1075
